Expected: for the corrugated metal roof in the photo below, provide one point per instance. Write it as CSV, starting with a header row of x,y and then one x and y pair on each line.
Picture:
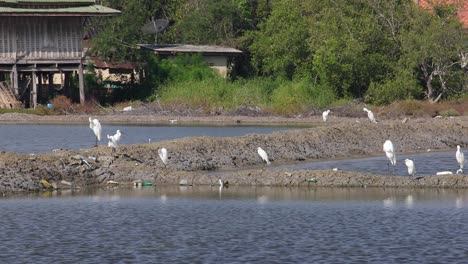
x,y
47,1
80,10
182,48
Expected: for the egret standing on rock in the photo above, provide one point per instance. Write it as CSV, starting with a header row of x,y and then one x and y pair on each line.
x,y
411,168
390,153
370,115
114,140
96,127
264,155
325,116
163,155
460,159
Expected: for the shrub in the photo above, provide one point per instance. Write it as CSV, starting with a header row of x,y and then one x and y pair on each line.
x,y
87,108
449,112
298,96
403,86
61,103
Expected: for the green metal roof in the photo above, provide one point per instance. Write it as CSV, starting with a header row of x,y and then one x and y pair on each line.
x,y
47,1
91,10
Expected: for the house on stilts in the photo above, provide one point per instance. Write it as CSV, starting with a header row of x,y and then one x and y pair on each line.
x,y
40,39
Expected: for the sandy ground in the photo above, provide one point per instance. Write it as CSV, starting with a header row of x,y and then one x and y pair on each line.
x,y
130,118
192,159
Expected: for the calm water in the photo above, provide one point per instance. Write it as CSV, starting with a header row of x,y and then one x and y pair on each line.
x,y
45,138
426,164
236,225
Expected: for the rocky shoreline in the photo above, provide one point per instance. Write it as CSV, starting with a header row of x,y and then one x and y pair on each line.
x,y
193,159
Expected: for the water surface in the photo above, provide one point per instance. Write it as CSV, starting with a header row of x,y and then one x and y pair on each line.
x,y
427,163
45,138
236,225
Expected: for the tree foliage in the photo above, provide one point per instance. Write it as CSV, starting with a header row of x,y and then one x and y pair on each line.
x,y
378,50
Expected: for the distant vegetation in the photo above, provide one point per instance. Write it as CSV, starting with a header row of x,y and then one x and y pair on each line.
x,y
298,54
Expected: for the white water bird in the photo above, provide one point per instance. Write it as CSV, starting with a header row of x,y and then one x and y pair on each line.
x,y
460,159
370,115
223,183
411,168
114,140
163,155
444,173
390,152
96,128
325,115
263,155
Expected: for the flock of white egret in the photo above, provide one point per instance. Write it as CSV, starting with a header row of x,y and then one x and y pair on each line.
x,y
391,154
388,147
113,141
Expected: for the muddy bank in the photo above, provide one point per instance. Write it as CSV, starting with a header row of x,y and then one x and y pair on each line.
x,y
192,158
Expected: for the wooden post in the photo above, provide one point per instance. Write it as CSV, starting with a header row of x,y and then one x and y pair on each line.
x,y
66,84
81,83
34,91
50,79
40,88
14,82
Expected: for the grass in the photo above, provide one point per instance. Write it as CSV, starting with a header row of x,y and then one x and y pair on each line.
x,y
279,97
454,107
40,110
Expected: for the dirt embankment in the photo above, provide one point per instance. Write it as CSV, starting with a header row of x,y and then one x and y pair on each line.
x,y
191,158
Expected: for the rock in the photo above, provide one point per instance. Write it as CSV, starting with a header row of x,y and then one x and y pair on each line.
x,y
184,182
65,183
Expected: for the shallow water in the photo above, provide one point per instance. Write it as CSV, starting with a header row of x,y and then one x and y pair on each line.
x,y
236,225
428,163
45,138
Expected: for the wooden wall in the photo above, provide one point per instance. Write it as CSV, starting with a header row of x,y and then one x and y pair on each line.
x,y
40,38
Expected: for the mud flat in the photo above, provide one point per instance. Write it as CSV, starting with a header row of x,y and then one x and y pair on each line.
x,y
192,159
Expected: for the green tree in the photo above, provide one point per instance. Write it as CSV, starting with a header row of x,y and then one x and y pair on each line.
x,y
118,36
435,47
279,47
211,22
350,50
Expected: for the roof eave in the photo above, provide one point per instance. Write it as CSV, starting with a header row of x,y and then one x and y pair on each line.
x,y
58,14
175,52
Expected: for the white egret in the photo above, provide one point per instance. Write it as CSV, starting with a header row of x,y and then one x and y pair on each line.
x,y
163,155
114,140
325,115
223,183
96,127
263,155
370,115
460,159
411,168
390,153
444,173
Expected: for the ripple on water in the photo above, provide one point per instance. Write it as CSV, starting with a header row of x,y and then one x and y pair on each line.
x,y
291,225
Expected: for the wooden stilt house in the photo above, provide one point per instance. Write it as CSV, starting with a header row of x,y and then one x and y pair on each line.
x,y
40,39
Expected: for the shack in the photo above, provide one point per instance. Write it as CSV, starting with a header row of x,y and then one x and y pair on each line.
x,y
43,38
218,57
